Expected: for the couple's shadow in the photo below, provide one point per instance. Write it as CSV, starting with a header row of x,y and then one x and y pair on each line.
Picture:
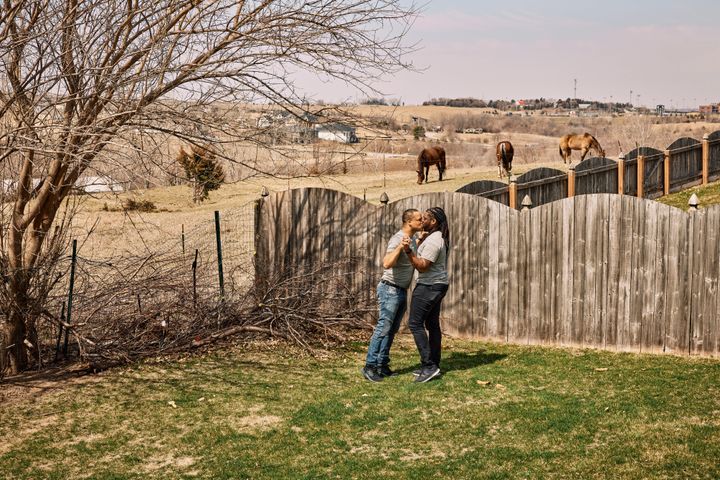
x,y
462,361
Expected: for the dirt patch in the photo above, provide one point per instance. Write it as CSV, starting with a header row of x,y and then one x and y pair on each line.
x,y
410,456
255,422
158,463
30,387
26,431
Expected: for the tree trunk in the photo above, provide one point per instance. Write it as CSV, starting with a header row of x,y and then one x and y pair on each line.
x,y
13,343
197,192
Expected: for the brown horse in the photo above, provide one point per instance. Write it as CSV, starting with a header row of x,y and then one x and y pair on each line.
x,y
584,143
504,152
430,156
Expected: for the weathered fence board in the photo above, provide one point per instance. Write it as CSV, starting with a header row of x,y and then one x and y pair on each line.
x,y
653,172
543,185
596,175
598,270
714,155
630,178
491,189
685,163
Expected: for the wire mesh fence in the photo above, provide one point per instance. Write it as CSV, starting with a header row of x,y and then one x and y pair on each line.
x,y
154,297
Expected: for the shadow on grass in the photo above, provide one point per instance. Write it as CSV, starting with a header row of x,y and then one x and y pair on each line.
x,y
463,361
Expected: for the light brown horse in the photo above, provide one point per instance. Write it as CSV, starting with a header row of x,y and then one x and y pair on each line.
x,y
584,143
504,152
430,156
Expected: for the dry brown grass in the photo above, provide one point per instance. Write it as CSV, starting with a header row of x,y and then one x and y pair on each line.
x,y
374,166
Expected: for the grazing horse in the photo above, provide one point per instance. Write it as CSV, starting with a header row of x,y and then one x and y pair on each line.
x,y
430,156
504,152
584,143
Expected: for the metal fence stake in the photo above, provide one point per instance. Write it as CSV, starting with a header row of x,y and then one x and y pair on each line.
x,y
219,254
194,271
70,294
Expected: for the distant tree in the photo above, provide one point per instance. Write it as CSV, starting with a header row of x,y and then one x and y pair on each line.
x,y
202,169
374,101
418,132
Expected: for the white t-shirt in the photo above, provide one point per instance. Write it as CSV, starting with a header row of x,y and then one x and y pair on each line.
x,y
433,249
401,274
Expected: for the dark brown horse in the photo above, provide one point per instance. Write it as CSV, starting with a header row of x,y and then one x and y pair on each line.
x,y
584,143
430,156
504,152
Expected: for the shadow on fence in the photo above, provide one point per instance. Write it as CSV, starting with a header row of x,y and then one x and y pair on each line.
x,y
597,270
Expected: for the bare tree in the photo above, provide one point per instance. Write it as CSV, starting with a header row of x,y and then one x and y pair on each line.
x,y
80,78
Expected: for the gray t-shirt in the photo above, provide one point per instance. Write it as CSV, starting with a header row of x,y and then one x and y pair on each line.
x,y
433,249
401,274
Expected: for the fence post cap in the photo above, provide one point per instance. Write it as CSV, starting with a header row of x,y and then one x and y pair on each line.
x,y
693,202
571,167
384,199
706,136
264,192
526,203
513,179
621,157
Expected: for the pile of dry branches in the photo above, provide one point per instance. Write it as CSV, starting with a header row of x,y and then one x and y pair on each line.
x,y
144,307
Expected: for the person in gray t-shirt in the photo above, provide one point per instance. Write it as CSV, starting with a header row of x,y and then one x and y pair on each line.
x,y
392,296
432,285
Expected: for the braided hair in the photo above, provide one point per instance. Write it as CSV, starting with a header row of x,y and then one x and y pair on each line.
x,y
442,224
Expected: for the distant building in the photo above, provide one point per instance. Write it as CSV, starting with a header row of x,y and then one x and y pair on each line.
x,y
89,184
97,184
336,132
710,109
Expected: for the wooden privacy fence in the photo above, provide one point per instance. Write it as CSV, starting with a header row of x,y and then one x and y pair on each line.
x,y
644,172
604,271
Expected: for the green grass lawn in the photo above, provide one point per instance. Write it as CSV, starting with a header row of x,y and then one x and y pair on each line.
x,y
546,413
707,195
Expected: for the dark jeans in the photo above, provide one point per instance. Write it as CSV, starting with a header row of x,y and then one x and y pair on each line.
x,y
425,315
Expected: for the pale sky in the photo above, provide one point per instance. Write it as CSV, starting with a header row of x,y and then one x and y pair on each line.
x,y
665,51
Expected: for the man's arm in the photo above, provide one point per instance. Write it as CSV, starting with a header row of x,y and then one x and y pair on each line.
x,y
422,265
391,258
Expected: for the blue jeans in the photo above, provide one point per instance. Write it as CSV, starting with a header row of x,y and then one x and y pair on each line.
x,y
393,303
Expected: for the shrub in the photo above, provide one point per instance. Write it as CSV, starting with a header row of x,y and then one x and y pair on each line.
x,y
202,169
138,205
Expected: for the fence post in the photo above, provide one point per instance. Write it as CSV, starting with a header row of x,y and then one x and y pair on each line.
x,y
640,175
512,191
219,254
194,270
571,181
70,294
705,158
182,239
666,172
62,319
621,174
526,203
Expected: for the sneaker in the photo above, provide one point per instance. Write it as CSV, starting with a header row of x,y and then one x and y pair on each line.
x,y
427,374
386,372
372,374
